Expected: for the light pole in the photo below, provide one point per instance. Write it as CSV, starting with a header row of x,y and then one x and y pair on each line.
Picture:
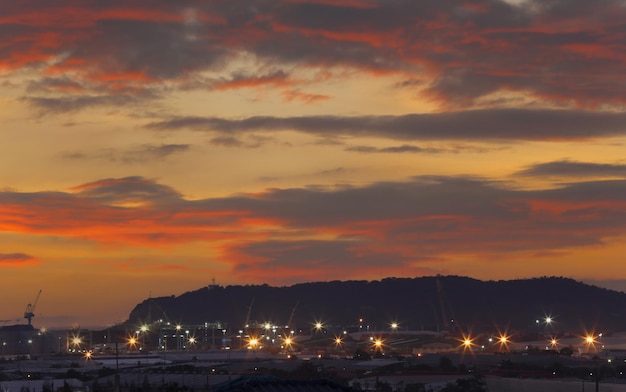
x,y
178,337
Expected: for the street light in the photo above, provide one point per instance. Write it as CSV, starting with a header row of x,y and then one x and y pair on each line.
x,y
503,341
467,343
132,342
178,337
338,343
287,343
142,332
378,345
253,343
77,341
590,342
554,343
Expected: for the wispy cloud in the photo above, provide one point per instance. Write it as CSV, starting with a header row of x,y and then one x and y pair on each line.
x,y
487,125
140,154
405,148
575,169
17,260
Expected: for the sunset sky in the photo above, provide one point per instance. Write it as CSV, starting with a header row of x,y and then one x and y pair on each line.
x,y
151,146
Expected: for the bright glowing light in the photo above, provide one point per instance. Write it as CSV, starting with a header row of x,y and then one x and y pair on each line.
x,y
503,341
378,344
88,355
554,342
589,339
467,342
132,341
77,341
338,341
288,341
144,328
253,342
179,327
548,320
394,325
192,340
318,325
268,326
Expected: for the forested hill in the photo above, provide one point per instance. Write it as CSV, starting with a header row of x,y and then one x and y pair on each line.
x,y
415,303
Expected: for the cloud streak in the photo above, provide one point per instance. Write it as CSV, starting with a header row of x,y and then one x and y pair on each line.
x,y
140,154
17,260
488,125
574,169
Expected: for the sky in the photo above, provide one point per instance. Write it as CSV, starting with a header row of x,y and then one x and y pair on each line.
x,y
149,148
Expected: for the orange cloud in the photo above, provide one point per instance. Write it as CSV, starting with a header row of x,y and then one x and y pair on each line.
x,y
328,231
293,95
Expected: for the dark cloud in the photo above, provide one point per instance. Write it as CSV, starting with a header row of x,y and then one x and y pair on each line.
x,y
479,201
396,149
48,105
16,259
56,84
487,124
251,141
127,190
574,169
313,255
165,150
14,256
142,154
561,52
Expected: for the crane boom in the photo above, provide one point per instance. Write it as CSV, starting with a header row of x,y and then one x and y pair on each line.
x,y
29,313
293,312
442,305
247,320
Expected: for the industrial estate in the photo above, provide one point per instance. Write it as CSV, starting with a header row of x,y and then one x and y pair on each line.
x,y
160,353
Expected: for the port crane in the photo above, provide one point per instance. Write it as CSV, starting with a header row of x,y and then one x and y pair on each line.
x,y
290,325
246,323
442,306
29,313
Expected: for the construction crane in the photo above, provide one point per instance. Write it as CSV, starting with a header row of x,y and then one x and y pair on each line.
x,y
29,313
246,323
290,322
442,306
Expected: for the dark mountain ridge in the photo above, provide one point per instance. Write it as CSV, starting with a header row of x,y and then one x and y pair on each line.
x,y
415,303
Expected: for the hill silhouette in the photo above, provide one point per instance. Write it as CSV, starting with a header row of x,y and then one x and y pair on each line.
x,y
415,303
